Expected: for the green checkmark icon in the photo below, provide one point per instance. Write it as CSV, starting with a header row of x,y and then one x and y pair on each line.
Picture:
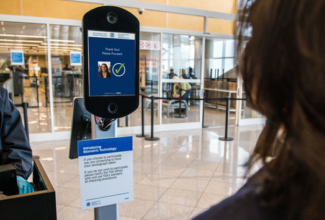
x,y
118,70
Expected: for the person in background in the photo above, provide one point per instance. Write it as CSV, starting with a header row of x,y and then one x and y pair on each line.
x,y
66,67
185,75
171,74
14,145
185,87
283,71
105,73
170,86
191,73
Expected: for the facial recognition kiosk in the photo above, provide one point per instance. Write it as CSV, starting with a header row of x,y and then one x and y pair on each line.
x,y
111,62
111,91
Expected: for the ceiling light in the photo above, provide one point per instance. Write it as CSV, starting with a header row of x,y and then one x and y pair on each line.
x,y
56,28
24,36
1,22
69,45
42,25
26,41
68,41
14,47
19,44
23,27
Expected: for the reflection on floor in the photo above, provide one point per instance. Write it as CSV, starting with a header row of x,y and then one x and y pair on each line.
x,y
177,177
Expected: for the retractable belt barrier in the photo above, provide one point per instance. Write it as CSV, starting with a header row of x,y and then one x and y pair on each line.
x,y
152,98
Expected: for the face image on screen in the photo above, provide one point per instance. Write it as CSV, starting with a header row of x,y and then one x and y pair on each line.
x,y
104,69
111,59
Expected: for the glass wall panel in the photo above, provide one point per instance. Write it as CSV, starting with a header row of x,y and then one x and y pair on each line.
x,y
220,80
149,70
67,79
27,82
181,77
181,52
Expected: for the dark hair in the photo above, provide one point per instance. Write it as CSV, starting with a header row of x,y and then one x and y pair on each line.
x,y
101,71
283,68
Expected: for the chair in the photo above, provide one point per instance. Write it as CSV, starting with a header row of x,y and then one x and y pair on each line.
x,y
174,104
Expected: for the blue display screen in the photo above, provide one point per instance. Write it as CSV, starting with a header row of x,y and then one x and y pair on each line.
x,y
111,59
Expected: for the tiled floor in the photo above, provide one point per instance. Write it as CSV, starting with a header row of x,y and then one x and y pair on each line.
x,y
177,177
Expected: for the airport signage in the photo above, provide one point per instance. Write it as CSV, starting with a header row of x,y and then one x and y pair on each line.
x,y
75,58
17,57
105,171
149,45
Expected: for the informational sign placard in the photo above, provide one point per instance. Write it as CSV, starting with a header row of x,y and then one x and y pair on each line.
x,y
17,57
75,58
111,63
105,171
149,45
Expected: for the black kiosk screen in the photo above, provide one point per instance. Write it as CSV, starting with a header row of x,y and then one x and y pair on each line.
x,y
111,63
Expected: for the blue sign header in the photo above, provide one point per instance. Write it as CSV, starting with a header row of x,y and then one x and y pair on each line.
x,y
104,146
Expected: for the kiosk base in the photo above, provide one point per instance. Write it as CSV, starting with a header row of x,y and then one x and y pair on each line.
x,y
142,136
151,138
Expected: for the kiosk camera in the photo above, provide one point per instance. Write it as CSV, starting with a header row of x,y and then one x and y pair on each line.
x,y
111,62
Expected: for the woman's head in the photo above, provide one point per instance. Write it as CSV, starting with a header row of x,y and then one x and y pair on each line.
x,y
283,70
104,68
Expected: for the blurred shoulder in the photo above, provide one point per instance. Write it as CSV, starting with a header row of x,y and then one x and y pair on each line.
x,y
244,205
3,94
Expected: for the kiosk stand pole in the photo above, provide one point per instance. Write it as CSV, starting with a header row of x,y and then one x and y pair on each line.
x,y
142,119
111,211
226,138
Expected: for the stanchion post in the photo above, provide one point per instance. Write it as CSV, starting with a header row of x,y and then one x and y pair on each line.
x,y
203,126
226,138
180,105
22,89
142,119
152,138
46,94
25,106
37,91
